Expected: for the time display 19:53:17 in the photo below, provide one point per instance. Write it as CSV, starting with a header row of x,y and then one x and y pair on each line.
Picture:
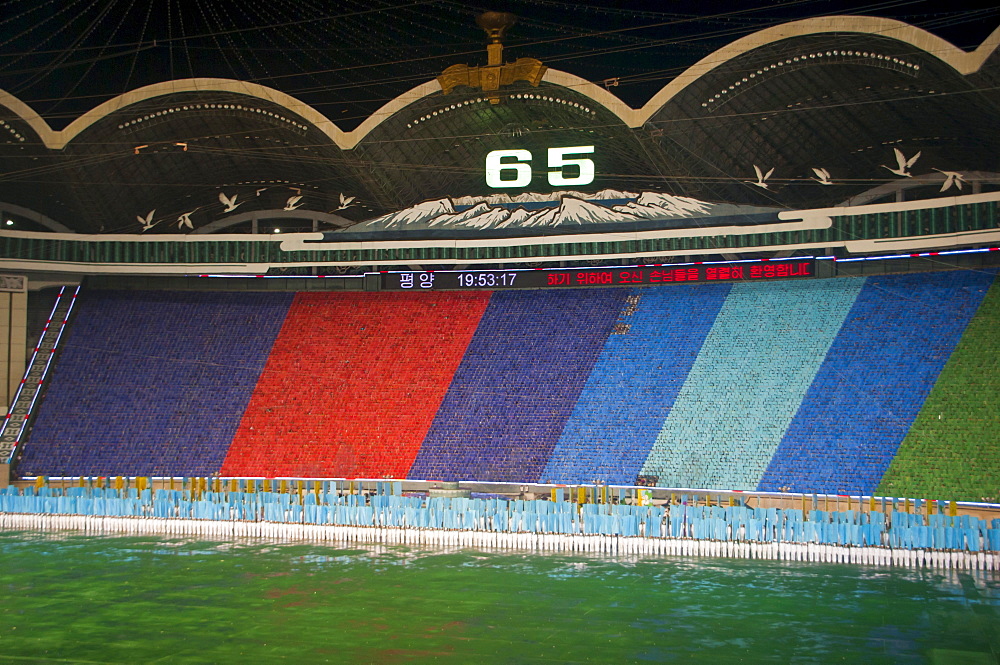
x,y
486,279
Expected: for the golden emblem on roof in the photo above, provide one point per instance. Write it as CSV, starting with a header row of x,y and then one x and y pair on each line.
x,y
495,73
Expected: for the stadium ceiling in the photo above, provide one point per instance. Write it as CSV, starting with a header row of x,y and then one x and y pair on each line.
x,y
204,119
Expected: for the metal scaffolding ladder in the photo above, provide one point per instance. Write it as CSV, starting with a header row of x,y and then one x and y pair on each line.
x,y
15,424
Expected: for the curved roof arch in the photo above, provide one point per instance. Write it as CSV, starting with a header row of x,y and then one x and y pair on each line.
x,y
35,216
843,113
59,139
898,188
336,221
964,62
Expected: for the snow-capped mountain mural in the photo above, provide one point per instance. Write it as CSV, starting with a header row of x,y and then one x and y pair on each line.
x,y
558,209
550,198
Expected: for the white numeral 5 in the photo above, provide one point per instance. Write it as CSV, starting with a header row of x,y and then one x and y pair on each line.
x,y
557,160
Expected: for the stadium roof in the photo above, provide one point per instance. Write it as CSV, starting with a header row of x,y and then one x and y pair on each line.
x,y
114,113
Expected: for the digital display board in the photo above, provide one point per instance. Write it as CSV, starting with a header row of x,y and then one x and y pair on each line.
x,y
459,280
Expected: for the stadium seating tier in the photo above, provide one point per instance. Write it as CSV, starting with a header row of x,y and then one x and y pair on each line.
x,y
953,447
152,383
353,383
809,385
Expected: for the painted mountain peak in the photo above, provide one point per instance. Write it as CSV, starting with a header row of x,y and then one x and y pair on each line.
x,y
558,209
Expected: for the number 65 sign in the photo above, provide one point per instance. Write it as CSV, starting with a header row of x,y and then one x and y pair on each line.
x,y
516,170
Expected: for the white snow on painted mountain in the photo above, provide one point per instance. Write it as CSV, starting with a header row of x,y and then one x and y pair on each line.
x,y
529,197
499,211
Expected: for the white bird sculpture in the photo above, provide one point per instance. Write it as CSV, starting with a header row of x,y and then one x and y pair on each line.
x,y
345,201
822,176
903,164
230,203
185,220
761,177
147,221
952,178
293,202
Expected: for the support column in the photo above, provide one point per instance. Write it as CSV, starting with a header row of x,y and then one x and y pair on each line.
x,y
13,342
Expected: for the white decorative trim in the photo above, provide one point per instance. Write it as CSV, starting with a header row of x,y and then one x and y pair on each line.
x,y
791,220
912,243
137,237
142,268
896,206
297,242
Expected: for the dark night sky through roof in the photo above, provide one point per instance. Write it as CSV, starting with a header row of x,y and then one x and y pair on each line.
x,y
349,57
